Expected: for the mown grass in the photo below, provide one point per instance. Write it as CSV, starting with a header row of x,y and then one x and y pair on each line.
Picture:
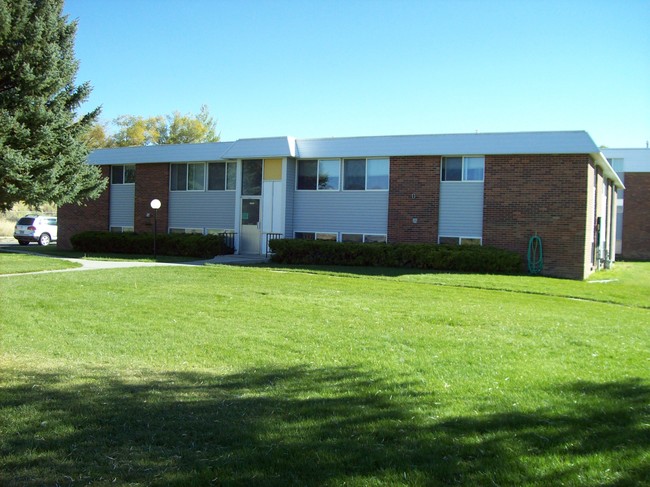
x,y
277,376
11,263
54,251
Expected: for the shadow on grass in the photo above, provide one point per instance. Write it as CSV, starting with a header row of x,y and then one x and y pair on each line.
x,y
305,426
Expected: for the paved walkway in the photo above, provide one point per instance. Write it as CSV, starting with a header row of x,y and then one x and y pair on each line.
x,y
90,265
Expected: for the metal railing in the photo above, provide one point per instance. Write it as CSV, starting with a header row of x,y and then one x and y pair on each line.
x,y
269,237
229,239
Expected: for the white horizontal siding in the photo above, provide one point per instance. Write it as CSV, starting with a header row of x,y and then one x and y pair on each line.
x,y
202,209
340,211
122,205
461,209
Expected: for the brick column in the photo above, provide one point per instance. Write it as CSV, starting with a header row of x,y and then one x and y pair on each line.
x,y
414,194
543,194
151,182
91,215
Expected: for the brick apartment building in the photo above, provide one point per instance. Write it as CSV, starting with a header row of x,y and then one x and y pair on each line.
x,y
633,203
495,189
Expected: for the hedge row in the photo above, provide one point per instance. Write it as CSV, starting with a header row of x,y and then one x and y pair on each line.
x,y
464,258
180,244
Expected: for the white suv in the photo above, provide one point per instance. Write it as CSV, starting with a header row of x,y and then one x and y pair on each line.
x,y
36,228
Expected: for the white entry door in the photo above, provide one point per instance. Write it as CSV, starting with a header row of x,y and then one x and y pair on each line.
x,y
250,233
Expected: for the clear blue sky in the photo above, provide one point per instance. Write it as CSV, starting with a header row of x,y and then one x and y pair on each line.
x,y
335,68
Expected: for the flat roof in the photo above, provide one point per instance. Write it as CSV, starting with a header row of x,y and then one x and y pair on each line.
x,y
561,142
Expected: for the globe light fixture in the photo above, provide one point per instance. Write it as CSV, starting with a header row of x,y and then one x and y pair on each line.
x,y
155,206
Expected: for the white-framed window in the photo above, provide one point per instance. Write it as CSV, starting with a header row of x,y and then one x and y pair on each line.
x,y
366,174
330,236
187,177
218,231
321,174
363,238
222,176
118,229
344,237
186,230
463,168
123,174
443,240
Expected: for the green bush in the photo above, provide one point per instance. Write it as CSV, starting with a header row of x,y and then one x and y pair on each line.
x,y
178,244
478,259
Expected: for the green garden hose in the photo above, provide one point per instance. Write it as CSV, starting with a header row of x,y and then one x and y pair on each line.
x,y
535,256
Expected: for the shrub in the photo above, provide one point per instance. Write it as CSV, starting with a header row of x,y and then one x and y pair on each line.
x,y
178,244
478,259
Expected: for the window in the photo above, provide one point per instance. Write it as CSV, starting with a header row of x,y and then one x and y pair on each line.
x,y
360,237
352,237
178,177
219,231
365,174
187,177
186,230
324,175
459,240
316,236
329,173
374,239
252,177
354,174
121,229
123,174
222,176
195,177
377,174
462,168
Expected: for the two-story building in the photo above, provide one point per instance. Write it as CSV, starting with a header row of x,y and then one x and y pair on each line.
x,y
496,189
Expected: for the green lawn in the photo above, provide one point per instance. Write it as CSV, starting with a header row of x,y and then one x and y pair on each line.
x,y
277,376
11,263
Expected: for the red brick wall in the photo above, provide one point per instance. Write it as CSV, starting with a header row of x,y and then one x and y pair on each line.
x,y
90,215
151,182
543,194
636,216
414,193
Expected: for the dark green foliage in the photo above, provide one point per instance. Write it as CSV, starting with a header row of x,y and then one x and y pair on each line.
x,y
42,155
179,244
468,258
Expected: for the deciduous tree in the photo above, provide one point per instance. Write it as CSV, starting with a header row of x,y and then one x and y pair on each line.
x,y
171,129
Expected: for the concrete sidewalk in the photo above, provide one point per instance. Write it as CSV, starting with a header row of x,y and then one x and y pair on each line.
x,y
90,265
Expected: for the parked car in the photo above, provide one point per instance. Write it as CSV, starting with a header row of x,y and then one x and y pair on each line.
x,y
36,228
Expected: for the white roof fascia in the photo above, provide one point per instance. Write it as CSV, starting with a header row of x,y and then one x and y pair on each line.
x,y
570,142
608,171
151,154
262,148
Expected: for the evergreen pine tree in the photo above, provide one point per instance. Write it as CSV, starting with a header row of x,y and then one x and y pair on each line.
x,y
42,153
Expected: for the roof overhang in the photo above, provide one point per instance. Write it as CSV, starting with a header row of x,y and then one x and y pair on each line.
x,y
608,171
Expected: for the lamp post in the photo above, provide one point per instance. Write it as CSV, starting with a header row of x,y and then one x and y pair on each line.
x,y
155,205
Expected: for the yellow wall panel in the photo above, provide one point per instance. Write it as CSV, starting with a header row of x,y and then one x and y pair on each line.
x,y
272,169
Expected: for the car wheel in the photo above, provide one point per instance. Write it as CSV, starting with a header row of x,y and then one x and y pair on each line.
x,y
23,242
44,239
